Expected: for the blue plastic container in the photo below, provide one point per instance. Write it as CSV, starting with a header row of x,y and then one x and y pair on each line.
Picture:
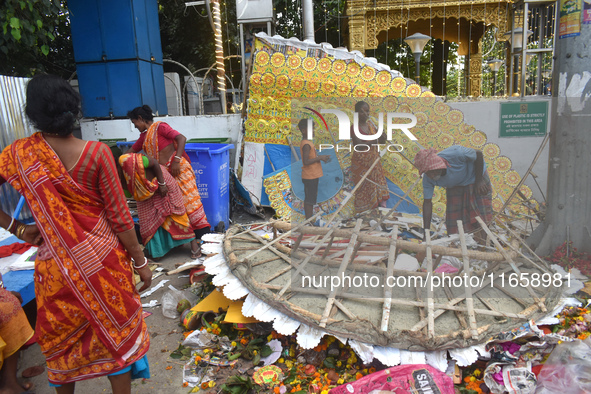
x,y
106,30
125,145
113,88
211,163
118,56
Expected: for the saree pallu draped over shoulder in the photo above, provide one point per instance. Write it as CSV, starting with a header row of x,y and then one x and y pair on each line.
x,y
186,179
89,318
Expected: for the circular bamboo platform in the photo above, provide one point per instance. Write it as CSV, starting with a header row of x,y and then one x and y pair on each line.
x,y
297,272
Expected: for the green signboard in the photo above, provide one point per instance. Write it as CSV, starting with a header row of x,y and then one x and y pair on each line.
x,y
523,119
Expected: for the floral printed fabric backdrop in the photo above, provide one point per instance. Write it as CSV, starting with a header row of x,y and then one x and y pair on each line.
x,y
288,75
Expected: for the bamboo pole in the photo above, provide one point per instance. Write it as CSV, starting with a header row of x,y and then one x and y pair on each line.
x,y
524,177
396,301
389,274
467,287
400,244
302,265
524,244
430,308
510,260
357,186
268,245
399,202
346,260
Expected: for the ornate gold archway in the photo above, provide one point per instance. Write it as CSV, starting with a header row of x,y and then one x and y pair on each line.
x,y
463,22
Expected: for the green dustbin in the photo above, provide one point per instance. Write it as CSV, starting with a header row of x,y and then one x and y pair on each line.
x,y
110,142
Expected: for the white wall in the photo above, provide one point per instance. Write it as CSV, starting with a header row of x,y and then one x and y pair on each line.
x,y
485,116
201,126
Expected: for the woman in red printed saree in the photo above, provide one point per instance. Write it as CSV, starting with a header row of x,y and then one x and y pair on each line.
x,y
167,146
164,223
89,314
374,191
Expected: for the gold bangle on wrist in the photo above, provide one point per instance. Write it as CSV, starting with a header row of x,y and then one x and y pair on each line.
x,y
20,230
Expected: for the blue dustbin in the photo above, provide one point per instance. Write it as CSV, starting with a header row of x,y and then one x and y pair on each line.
x,y
211,163
124,145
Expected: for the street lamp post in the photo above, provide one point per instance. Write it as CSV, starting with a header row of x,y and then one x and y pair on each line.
x,y
417,43
495,65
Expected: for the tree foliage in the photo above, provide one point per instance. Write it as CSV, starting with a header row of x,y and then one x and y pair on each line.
x,y
34,34
329,19
188,38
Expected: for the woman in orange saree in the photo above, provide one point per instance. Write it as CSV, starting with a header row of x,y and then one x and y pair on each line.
x,y
89,314
164,223
374,191
167,146
15,332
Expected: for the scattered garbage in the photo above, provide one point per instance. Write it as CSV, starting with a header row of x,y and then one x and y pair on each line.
x,y
171,300
567,370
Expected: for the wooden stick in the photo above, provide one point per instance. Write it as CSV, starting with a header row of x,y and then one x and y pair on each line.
x,y
394,194
510,260
302,265
269,158
400,244
389,274
395,301
524,177
459,315
467,287
188,267
268,245
266,261
357,186
344,309
346,260
523,243
430,308
457,300
253,226
399,201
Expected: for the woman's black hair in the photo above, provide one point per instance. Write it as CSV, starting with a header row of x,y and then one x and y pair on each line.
x,y
144,111
52,104
360,104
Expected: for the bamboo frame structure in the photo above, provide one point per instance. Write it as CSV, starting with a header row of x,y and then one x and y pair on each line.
x,y
452,314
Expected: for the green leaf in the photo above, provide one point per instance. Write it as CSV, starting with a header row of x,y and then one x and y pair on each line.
x,y
39,23
186,352
16,33
266,351
50,35
45,50
175,355
329,363
15,23
22,4
257,359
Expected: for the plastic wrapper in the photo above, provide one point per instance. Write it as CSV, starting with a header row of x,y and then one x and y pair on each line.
x,y
412,378
171,298
200,340
567,370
